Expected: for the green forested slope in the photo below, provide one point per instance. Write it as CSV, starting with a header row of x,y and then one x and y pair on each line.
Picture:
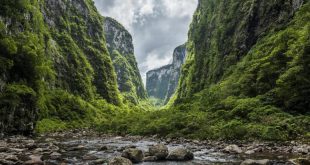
x,y
54,63
120,46
246,75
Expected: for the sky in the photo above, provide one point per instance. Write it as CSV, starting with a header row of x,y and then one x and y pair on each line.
x,y
157,27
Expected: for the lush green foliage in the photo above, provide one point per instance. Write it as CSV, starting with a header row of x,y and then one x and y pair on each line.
x,y
129,79
53,65
222,33
263,95
246,76
120,46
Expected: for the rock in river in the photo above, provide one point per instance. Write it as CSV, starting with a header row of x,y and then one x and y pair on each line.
x,y
150,159
232,149
159,150
133,154
120,161
180,154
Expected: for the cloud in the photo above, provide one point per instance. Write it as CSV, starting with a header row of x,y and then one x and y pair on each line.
x,y
147,8
157,26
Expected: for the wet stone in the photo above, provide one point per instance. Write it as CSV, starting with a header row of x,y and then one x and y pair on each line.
x,y
133,154
180,154
150,159
120,161
160,151
232,149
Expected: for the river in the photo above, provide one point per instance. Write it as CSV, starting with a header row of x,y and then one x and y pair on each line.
x,y
80,150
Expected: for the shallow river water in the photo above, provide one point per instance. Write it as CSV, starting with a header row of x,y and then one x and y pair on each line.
x,y
86,150
89,148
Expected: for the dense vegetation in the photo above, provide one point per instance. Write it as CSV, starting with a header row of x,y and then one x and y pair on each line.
x,y
53,64
256,89
246,75
121,49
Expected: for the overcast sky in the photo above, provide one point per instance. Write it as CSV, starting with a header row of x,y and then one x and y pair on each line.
x,y
157,26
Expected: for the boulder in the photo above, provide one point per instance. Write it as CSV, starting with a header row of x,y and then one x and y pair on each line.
x,y
256,162
133,154
150,159
159,150
180,154
233,149
120,161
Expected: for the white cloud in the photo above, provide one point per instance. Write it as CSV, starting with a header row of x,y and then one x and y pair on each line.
x,y
147,7
153,61
157,26
179,8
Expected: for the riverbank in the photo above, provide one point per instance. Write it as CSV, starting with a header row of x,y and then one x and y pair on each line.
x,y
88,147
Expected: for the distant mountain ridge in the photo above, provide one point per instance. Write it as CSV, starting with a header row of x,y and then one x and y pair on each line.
x,y
162,82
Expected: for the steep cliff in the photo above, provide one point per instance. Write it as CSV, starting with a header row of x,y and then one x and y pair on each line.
x,y
179,56
223,33
54,61
157,81
162,82
120,46
246,74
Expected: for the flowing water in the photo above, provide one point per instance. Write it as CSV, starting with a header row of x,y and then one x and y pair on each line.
x,y
87,150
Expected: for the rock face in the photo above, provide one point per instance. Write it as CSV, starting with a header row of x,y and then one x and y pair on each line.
x,y
240,32
220,52
179,56
120,46
162,82
157,81
51,50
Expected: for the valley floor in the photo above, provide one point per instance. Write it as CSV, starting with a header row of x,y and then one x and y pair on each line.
x,y
88,147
